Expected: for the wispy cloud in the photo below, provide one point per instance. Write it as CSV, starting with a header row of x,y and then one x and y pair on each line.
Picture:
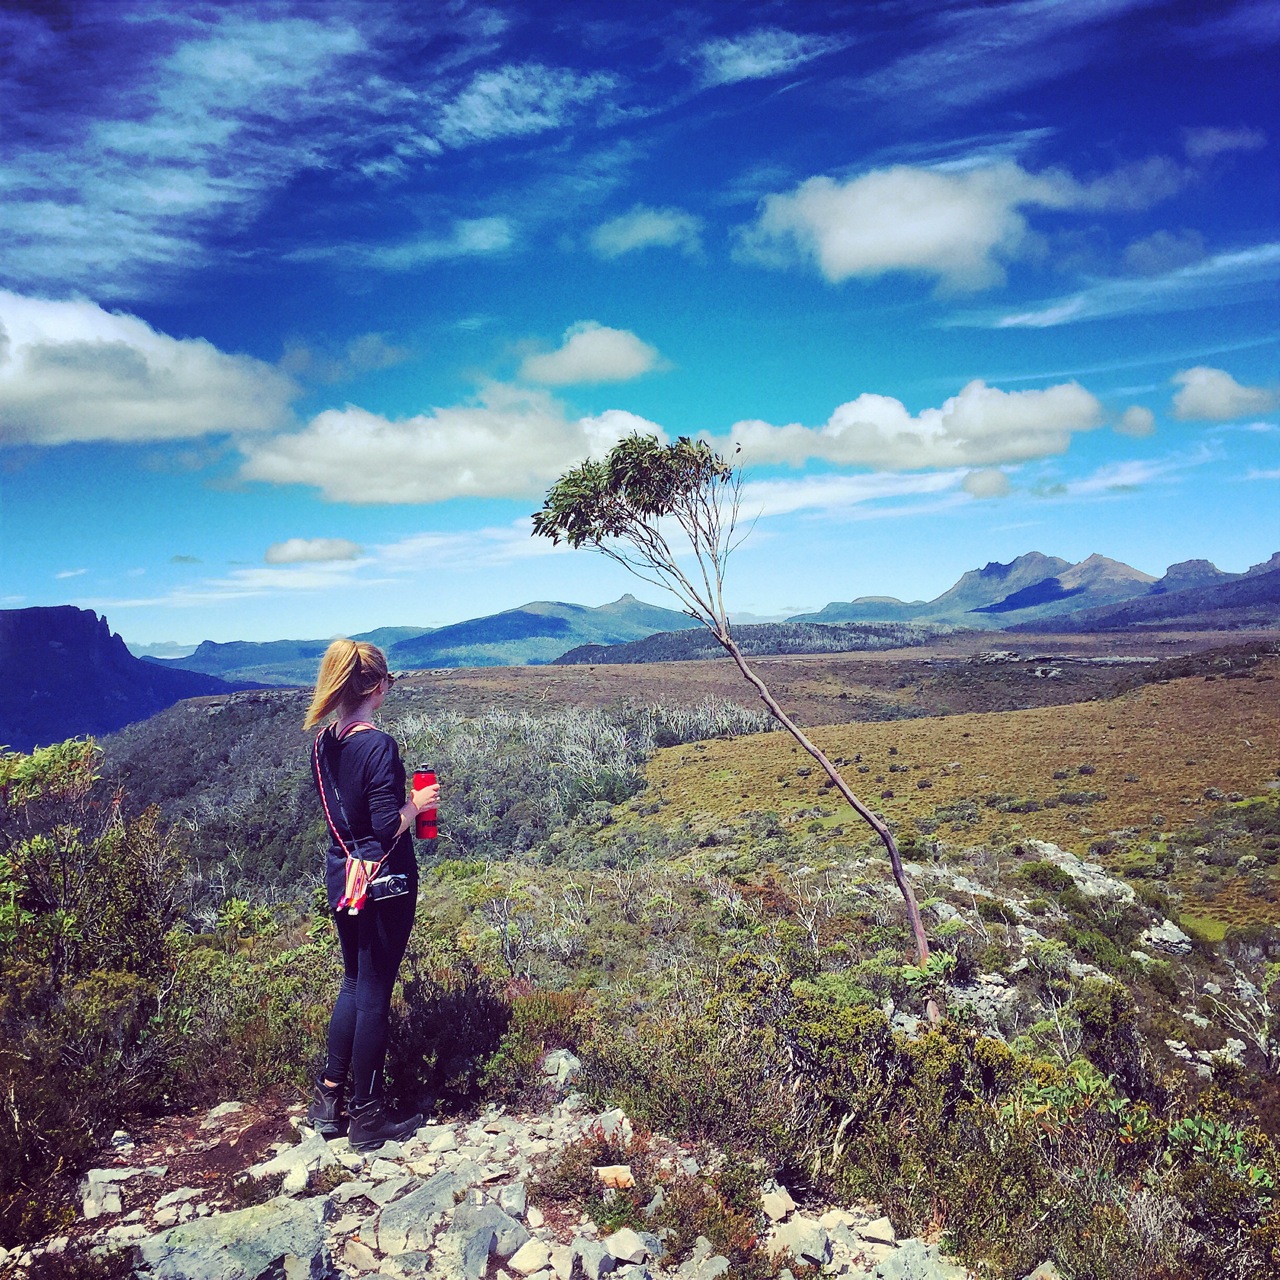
x,y
400,561
843,493
645,228
70,573
517,100
1242,275
760,54
976,53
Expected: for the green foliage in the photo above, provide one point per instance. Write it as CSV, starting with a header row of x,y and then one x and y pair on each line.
x,y
85,967
640,481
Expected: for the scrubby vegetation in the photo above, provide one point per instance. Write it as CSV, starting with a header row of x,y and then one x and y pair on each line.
x,y
734,971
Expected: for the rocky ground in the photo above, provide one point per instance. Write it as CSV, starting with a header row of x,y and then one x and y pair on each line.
x,y
453,1201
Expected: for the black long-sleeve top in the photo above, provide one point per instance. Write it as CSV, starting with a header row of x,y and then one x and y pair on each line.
x,y
366,769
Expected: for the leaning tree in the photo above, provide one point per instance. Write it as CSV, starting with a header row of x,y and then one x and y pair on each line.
x,y
630,506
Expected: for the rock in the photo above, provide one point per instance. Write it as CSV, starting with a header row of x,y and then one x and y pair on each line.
x,y
359,1255
1045,1271
462,1255
531,1257
385,1192
562,1260
615,1125
447,1141
804,1238
777,1204
310,1154
1091,879
561,1067
514,1199
280,1238
533,1217
626,1246
178,1196
615,1175
589,1260
879,1232
220,1112
507,1234
915,1260
410,1222
1166,937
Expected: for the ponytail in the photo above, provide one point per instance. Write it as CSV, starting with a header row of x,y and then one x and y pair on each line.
x,y
349,672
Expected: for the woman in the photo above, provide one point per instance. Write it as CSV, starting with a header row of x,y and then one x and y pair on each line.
x,y
361,782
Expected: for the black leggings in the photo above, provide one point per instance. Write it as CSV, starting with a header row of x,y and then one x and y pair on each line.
x,y
373,945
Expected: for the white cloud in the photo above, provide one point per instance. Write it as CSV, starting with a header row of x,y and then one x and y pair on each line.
x,y
72,371
517,100
1256,474
1239,276
312,551
981,425
1205,143
511,442
71,573
989,483
592,352
1136,421
644,228
1213,395
959,224
759,54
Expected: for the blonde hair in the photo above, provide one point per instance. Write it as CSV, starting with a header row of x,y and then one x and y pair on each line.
x,y
349,672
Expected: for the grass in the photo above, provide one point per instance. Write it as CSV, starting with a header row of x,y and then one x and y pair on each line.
x,y
1143,761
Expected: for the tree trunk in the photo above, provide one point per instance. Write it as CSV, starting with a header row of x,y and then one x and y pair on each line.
x,y
873,820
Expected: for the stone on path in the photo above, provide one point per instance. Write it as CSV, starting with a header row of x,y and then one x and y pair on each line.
x,y
804,1238
777,1204
280,1238
531,1257
626,1246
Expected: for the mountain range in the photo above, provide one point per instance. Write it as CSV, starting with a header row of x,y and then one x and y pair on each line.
x,y
66,674
533,633
1036,592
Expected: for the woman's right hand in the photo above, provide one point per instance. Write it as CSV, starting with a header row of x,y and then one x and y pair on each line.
x,y
426,797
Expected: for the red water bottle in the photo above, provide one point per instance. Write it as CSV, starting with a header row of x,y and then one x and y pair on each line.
x,y
425,826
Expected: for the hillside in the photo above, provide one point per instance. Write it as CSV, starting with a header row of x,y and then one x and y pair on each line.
x,y
1248,601
725,953
1044,593
278,662
777,638
67,675
538,632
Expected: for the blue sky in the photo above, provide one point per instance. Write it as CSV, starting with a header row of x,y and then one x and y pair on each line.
x,y
305,304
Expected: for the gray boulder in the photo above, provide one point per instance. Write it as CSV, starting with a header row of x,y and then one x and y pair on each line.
x,y
264,1242
410,1222
915,1260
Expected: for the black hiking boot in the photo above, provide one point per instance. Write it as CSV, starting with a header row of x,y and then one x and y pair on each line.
x,y
372,1124
325,1114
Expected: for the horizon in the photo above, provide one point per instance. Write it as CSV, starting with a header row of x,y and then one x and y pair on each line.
x,y
303,308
